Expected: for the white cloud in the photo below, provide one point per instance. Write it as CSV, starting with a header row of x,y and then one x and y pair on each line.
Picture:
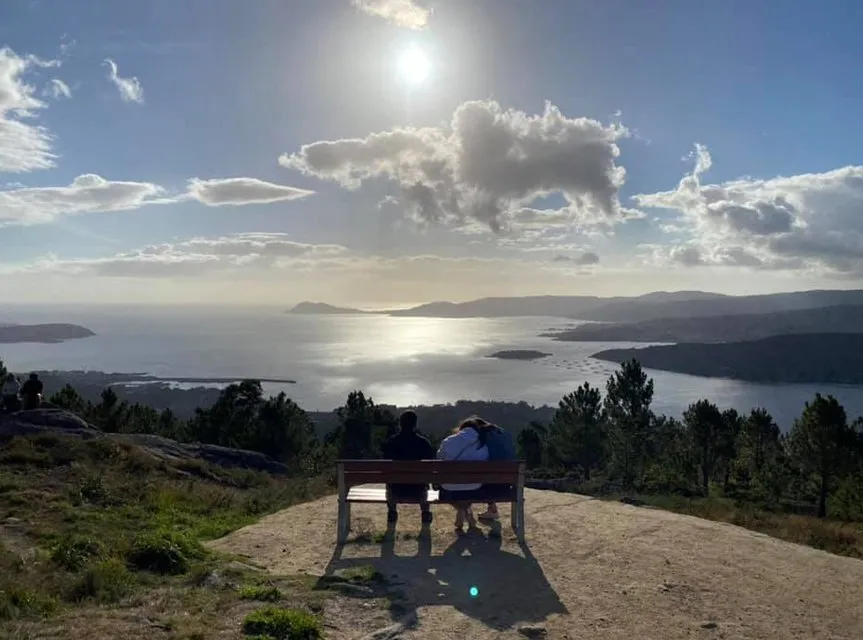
x,y
808,222
404,13
24,146
130,88
57,89
583,259
91,193
489,165
241,191
88,193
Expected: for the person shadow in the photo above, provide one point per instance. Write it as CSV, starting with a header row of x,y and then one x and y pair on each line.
x,y
475,575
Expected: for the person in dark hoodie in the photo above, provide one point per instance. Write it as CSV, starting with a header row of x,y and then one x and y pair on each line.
x,y
407,444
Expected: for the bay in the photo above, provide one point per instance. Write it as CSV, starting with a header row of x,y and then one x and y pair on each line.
x,y
401,361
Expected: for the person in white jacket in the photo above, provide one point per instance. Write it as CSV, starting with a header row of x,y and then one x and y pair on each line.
x,y
466,443
11,389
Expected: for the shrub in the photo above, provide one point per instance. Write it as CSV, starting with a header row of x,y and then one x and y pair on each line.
x,y
105,582
92,491
73,553
260,592
283,624
164,552
22,603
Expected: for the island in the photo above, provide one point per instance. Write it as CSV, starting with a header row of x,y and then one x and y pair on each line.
x,y
322,308
822,358
518,354
722,328
42,333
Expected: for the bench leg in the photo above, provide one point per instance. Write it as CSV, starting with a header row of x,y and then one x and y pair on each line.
x,y
514,516
521,520
344,523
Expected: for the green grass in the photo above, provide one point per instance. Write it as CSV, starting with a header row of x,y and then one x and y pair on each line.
x,y
97,522
260,592
282,624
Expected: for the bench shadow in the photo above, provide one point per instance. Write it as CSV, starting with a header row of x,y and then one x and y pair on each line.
x,y
475,575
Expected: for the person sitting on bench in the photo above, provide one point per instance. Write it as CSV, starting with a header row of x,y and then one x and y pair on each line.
x,y
407,444
466,443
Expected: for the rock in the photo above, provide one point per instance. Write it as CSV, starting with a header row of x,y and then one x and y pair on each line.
x,y
710,625
396,631
533,631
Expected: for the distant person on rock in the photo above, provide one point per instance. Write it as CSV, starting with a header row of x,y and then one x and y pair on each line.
x,y
407,444
468,442
11,389
501,446
31,392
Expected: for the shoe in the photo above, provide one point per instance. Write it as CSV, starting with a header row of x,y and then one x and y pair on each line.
x,y
426,517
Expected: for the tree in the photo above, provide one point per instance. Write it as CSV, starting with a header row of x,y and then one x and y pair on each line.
x,y
627,405
705,425
362,428
3,371
821,444
530,444
68,398
577,432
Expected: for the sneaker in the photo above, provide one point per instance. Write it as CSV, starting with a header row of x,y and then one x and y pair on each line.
x,y
426,517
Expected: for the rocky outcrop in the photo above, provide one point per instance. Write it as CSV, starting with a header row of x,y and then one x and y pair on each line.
x,y
64,423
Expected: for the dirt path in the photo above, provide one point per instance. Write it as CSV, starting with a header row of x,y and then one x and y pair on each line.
x,y
591,569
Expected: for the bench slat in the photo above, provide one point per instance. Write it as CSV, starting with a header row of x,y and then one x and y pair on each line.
x,y
353,479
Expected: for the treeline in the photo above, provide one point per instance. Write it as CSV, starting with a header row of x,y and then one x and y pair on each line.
x,y
600,442
617,440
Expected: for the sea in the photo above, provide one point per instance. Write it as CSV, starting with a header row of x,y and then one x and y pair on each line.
x,y
397,360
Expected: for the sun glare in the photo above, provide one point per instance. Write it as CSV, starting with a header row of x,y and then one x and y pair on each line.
x,y
414,66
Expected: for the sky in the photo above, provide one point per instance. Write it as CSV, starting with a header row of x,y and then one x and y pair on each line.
x,y
392,152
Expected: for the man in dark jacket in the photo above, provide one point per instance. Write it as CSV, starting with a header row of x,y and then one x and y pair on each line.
x,y
407,444
31,392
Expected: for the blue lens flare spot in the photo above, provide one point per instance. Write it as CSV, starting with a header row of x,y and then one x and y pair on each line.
x,y
474,592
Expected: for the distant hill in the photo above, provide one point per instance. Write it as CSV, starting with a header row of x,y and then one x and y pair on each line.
x,y
321,308
724,328
45,333
829,358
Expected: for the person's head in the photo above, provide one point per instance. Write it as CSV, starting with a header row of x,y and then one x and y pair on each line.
x,y
34,376
408,421
476,423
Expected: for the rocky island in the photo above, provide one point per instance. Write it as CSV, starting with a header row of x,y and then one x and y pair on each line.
x,y
518,354
43,333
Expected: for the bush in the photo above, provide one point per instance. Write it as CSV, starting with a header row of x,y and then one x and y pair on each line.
x,y
105,582
283,624
73,553
165,552
22,603
92,491
260,592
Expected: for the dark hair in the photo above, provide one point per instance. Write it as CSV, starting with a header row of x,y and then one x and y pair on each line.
x,y
408,421
34,376
479,425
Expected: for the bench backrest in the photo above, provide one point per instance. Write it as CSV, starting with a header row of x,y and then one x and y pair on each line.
x,y
355,472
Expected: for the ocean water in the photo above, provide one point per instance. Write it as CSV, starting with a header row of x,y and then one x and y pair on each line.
x,y
400,361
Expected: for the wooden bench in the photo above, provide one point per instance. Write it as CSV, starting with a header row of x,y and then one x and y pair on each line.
x,y
354,474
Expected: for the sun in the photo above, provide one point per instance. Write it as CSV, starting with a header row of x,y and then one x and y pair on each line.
x,y
414,66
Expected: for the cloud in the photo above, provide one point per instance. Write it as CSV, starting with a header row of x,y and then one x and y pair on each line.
x,y
809,222
24,146
130,88
57,89
91,193
404,13
88,193
241,191
489,165
584,259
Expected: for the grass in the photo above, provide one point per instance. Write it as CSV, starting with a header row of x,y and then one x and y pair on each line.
x,y
100,523
841,538
260,592
282,624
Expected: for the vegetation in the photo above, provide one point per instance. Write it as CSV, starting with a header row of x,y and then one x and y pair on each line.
x,y
283,624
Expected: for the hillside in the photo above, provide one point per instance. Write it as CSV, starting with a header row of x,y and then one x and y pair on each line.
x,y
45,333
659,304
725,328
321,308
590,569
820,358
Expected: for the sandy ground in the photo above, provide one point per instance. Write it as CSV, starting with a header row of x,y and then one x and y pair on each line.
x,y
590,569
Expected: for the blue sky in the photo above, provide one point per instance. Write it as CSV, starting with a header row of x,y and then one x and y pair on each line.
x,y
550,148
